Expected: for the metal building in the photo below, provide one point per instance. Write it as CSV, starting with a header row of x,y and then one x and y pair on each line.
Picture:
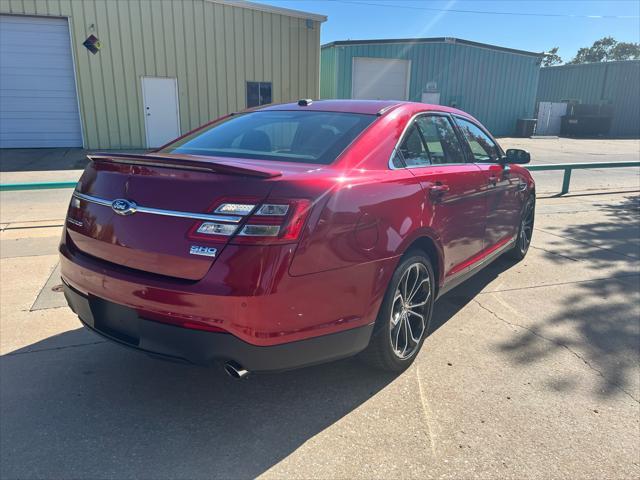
x,y
608,83
495,84
136,73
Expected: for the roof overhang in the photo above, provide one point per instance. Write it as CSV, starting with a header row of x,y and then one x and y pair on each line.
x,y
450,40
263,7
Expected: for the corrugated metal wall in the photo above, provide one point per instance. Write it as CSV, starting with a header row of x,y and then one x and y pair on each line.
x,y
497,87
211,48
328,73
617,83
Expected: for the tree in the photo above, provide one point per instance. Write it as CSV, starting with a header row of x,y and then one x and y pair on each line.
x,y
551,58
607,49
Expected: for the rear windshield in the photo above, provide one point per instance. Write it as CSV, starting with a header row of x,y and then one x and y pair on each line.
x,y
304,137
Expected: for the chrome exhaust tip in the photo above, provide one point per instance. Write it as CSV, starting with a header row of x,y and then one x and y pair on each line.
x,y
235,370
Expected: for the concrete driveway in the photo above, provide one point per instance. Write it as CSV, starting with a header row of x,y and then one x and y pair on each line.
x,y
531,371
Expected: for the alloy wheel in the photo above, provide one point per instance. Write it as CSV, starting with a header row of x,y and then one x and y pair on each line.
x,y
409,310
526,228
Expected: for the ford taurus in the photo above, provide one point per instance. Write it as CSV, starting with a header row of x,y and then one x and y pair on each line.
x,y
293,234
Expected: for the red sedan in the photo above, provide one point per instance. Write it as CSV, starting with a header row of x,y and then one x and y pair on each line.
x,y
293,234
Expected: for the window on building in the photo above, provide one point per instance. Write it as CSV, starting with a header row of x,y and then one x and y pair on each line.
x,y
258,93
482,147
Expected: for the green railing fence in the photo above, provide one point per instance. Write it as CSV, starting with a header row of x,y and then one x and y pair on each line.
x,y
569,167
566,180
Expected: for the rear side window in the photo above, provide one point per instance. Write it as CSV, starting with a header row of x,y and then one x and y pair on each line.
x,y
412,149
482,147
430,140
292,136
441,139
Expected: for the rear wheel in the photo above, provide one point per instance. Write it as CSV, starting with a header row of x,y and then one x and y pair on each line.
x,y
525,231
404,315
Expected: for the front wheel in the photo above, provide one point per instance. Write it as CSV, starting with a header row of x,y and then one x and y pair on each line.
x,y
525,231
404,315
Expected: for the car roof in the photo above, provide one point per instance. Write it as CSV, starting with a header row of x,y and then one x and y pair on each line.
x,y
370,107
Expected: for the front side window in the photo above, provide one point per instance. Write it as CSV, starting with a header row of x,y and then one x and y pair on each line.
x,y
258,93
482,147
292,136
431,140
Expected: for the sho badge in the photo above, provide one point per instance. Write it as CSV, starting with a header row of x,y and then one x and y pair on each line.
x,y
204,251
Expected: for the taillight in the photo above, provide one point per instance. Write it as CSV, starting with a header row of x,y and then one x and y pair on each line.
x,y
278,221
275,222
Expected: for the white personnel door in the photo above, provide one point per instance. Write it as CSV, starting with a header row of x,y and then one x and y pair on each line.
x,y
550,118
380,78
161,112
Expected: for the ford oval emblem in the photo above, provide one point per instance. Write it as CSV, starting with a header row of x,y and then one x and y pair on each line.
x,y
123,207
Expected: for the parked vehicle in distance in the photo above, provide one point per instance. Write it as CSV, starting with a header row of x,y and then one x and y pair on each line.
x,y
293,234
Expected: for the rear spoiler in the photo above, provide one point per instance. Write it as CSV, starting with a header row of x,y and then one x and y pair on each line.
x,y
185,162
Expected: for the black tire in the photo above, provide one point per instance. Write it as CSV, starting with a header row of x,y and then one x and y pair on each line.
x,y
400,324
525,230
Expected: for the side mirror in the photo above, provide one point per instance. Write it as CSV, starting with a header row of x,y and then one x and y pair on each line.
x,y
516,155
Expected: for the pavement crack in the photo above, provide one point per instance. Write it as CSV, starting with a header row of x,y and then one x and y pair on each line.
x,y
427,413
64,347
560,344
556,284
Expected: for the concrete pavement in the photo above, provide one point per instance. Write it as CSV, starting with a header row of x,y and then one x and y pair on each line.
x,y
531,371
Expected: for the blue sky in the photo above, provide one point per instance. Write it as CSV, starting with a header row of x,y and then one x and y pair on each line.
x,y
569,30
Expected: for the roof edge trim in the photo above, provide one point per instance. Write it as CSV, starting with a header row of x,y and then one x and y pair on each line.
x,y
450,40
263,7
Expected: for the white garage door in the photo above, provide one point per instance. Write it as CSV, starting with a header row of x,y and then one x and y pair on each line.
x,y
380,78
38,103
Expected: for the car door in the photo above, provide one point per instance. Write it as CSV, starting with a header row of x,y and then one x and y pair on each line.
x,y
455,207
500,184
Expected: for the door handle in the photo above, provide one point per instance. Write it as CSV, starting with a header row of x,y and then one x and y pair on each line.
x,y
437,190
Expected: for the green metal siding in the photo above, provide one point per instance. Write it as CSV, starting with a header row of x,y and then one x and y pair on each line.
x,y
328,73
497,87
211,48
615,83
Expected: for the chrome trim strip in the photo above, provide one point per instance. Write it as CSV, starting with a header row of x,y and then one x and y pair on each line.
x,y
166,213
89,198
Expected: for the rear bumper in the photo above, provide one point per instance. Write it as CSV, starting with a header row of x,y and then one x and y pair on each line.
x,y
124,326
248,293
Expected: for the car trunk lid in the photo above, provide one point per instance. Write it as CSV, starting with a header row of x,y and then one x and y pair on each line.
x,y
139,210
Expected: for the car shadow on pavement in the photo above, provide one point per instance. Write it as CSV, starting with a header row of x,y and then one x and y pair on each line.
x,y
95,409
455,300
598,321
74,406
